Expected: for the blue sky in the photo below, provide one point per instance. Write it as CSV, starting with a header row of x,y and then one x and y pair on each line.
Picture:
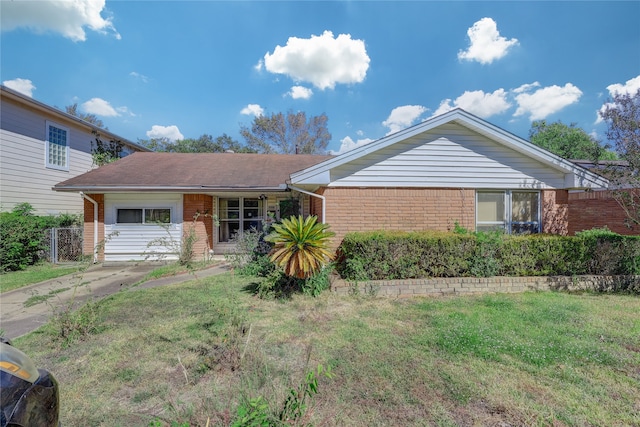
x,y
182,69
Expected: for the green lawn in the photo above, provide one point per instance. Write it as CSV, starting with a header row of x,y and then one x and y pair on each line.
x,y
34,274
189,354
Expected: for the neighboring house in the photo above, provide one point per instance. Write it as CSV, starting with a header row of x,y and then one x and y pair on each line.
x,y
41,146
451,169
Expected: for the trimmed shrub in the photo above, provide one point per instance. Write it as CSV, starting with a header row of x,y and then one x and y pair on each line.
x,y
383,255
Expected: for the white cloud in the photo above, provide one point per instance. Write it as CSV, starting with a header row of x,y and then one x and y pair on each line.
x,y
403,117
322,60
545,101
171,133
65,17
300,92
24,86
629,87
100,107
486,43
252,109
526,87
482,104
348,144
142,77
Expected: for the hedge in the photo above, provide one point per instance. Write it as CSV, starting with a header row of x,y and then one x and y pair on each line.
x,y
385,255
22,236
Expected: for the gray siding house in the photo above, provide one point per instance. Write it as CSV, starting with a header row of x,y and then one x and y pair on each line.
x,y
41,146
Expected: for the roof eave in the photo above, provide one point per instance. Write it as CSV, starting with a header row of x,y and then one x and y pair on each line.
x,y
164,189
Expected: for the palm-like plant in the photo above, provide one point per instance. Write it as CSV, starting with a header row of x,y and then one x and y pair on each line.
x,y
300,246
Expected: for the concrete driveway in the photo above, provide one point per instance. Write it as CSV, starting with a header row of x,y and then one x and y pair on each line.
x,y
26,309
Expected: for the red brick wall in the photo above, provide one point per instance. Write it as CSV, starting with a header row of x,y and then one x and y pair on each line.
x,y
597,209
88,245
197,211
408,209
555,212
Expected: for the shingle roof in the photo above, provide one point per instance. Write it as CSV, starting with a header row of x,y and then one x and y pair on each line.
x,y
188,172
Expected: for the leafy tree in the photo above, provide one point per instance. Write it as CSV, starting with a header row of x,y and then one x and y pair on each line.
x,y
569,142
91,118
204,144
155,144
300,246
622,116
288,134
105,152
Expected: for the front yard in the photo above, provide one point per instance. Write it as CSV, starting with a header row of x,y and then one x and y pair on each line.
x,y
190,354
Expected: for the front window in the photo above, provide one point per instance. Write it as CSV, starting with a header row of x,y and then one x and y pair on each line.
x,y
515,212
237,215
144,216
57,147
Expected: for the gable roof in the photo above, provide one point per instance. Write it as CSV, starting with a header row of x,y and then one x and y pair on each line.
x,y
573,176
190,172
29,102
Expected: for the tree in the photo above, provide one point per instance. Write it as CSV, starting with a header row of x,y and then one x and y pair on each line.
x,y
622,115
90,118
204,144
105,152
569,142
288,134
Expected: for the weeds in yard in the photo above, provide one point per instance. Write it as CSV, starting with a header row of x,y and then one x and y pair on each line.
x,y
256,412
71,325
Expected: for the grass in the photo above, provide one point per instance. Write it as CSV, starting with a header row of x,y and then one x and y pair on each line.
x,y
190,354
175,268
34,274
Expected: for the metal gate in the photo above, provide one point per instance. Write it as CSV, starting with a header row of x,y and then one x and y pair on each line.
x,y
64,244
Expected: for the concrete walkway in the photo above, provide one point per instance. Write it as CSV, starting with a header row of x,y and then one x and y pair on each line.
x,y
26,309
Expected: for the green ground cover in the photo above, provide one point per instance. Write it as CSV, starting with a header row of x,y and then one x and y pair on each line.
x,y
193,353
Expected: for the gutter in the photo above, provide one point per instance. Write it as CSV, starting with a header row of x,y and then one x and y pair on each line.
x,y
312,195
95,226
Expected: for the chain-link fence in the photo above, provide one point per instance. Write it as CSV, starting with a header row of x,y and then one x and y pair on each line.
x,y
64,244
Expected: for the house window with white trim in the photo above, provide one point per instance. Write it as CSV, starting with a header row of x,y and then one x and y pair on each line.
x,y
57,147
143,216
237,215
515,212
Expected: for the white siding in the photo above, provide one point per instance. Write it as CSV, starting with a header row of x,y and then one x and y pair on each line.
x,y
24,177
142,242
127,242
448,156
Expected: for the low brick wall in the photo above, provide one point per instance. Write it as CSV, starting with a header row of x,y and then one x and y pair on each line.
x,y
470,285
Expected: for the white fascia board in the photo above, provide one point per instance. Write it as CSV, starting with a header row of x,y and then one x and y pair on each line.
x,y
584,180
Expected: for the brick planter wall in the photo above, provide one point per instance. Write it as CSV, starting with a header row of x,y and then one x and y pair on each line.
x,y
470,285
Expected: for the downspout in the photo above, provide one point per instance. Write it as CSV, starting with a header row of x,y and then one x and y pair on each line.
x,y
312,195
95,226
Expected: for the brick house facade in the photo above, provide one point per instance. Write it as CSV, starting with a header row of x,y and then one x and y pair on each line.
x,y
597,209
453,168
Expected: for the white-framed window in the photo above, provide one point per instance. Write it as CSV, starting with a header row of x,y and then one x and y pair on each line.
x,y
239,214
57,147
143,216
514,211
